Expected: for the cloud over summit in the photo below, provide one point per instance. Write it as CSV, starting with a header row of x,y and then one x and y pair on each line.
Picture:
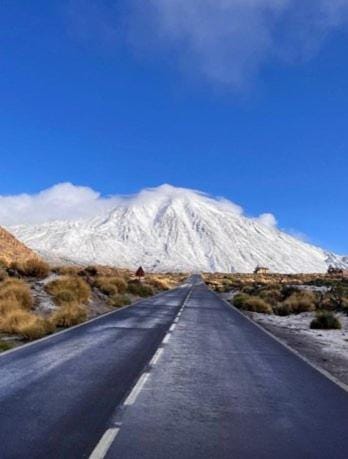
x,y
66,201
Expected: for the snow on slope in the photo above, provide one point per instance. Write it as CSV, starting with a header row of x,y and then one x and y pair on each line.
x,y
175,229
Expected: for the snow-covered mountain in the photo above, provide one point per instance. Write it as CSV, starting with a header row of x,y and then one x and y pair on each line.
x,y
175,229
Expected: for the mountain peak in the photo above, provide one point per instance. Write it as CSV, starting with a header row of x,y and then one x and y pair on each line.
x,y
176,229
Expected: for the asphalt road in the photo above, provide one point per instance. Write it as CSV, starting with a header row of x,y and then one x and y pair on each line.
x,y
153,382
57,395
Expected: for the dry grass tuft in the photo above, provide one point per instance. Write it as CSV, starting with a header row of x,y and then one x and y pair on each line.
x,y
299,302
159,283
27,324
69,315
251,303
16,290
111,285
3,274
118,301
69,289
8,305
35,268
325,320
67,270
140,289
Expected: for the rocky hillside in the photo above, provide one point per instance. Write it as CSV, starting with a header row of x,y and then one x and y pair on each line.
x,y
12,250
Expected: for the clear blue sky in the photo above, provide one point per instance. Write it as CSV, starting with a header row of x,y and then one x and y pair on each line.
x,y
86,102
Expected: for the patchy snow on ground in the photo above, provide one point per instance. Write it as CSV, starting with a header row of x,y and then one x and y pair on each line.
x,y
330,341
43,301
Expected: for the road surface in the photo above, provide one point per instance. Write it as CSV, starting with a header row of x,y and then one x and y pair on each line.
x,y
181,375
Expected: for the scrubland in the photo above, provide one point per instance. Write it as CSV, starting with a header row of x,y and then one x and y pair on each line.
x,y
284,295
37,300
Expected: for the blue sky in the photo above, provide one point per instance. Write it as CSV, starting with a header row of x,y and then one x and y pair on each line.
x,y
107,95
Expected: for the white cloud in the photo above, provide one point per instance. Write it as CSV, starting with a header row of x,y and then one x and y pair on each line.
x,y
268,220
225,41
66,201
299,235
228,41
63,201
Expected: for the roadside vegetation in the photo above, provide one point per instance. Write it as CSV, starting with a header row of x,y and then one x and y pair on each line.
x,y
69,289
283,295
35,268
325,320
16,311
36,299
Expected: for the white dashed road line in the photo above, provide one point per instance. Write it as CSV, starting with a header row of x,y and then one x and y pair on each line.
x,y
156,357
110,434
166,338
104,443
136,389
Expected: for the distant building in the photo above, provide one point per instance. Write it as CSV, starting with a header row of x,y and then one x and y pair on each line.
x,y
337,271
334,271
261,270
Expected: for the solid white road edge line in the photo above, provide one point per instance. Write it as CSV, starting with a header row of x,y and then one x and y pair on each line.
x,y
104,444
136,389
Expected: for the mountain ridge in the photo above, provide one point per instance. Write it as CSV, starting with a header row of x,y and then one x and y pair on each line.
x,y
175,229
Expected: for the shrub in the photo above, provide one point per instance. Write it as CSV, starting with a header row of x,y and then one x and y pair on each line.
x,y
69,315
325,320
35,268
289,290
139,289
299,302
3,263
117,301
36,327
8,305
3,274
159,284
252,303
256,304
239,300
67,270
16,290
5,346
271,295
25,323
249,289
65,296
78,289
282,309
111,285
